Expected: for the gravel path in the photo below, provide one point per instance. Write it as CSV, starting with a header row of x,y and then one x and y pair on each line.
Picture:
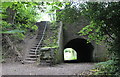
x,y
32,69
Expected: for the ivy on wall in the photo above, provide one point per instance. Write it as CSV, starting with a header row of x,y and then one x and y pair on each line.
x,y
51,38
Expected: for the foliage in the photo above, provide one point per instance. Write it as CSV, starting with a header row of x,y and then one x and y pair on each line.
x,y
69,15
105,68
18,17
52,33
48,10
53,25
93,32
55,6
12,31
104,26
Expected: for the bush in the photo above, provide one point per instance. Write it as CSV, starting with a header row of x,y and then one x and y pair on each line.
x,y
106,68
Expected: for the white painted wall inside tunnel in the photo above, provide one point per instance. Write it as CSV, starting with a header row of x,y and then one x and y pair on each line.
x,y
70,54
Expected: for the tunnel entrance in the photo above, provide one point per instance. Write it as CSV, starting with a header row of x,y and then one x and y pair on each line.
x,y
83,50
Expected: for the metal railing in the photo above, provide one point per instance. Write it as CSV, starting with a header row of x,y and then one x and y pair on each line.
x,y
43,34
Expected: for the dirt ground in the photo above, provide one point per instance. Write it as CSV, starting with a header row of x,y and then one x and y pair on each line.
x,y
0,69
33,69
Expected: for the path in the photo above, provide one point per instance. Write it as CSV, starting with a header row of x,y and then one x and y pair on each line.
x,y
30,69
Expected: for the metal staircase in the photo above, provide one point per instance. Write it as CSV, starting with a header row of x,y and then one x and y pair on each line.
x,y
34,51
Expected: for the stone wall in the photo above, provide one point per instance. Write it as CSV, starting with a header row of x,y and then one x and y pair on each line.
x,y
70,32
66,32
60,43
54,39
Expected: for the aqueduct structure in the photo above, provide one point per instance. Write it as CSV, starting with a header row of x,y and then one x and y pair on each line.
x,y
68,37
86,52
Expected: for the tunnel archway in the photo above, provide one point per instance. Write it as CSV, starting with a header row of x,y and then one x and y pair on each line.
x,y
84,50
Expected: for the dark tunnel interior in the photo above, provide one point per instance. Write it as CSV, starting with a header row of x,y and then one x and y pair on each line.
x,y
84,50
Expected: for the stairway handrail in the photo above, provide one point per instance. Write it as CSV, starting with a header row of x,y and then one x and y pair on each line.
x,y
43,34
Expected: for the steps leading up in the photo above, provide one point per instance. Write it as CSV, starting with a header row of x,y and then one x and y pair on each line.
x,y
34,51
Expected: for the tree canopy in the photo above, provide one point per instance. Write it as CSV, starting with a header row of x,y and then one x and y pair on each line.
x,y
18,17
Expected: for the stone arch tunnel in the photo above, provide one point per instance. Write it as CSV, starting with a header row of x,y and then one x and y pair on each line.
x,y
84,50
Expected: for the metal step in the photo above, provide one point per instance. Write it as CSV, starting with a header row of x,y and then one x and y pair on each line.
x,y
33,56
31,59
28,61
33,53
33,50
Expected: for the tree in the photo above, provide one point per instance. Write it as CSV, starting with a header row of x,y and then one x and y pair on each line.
x,y
105,26
18,18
